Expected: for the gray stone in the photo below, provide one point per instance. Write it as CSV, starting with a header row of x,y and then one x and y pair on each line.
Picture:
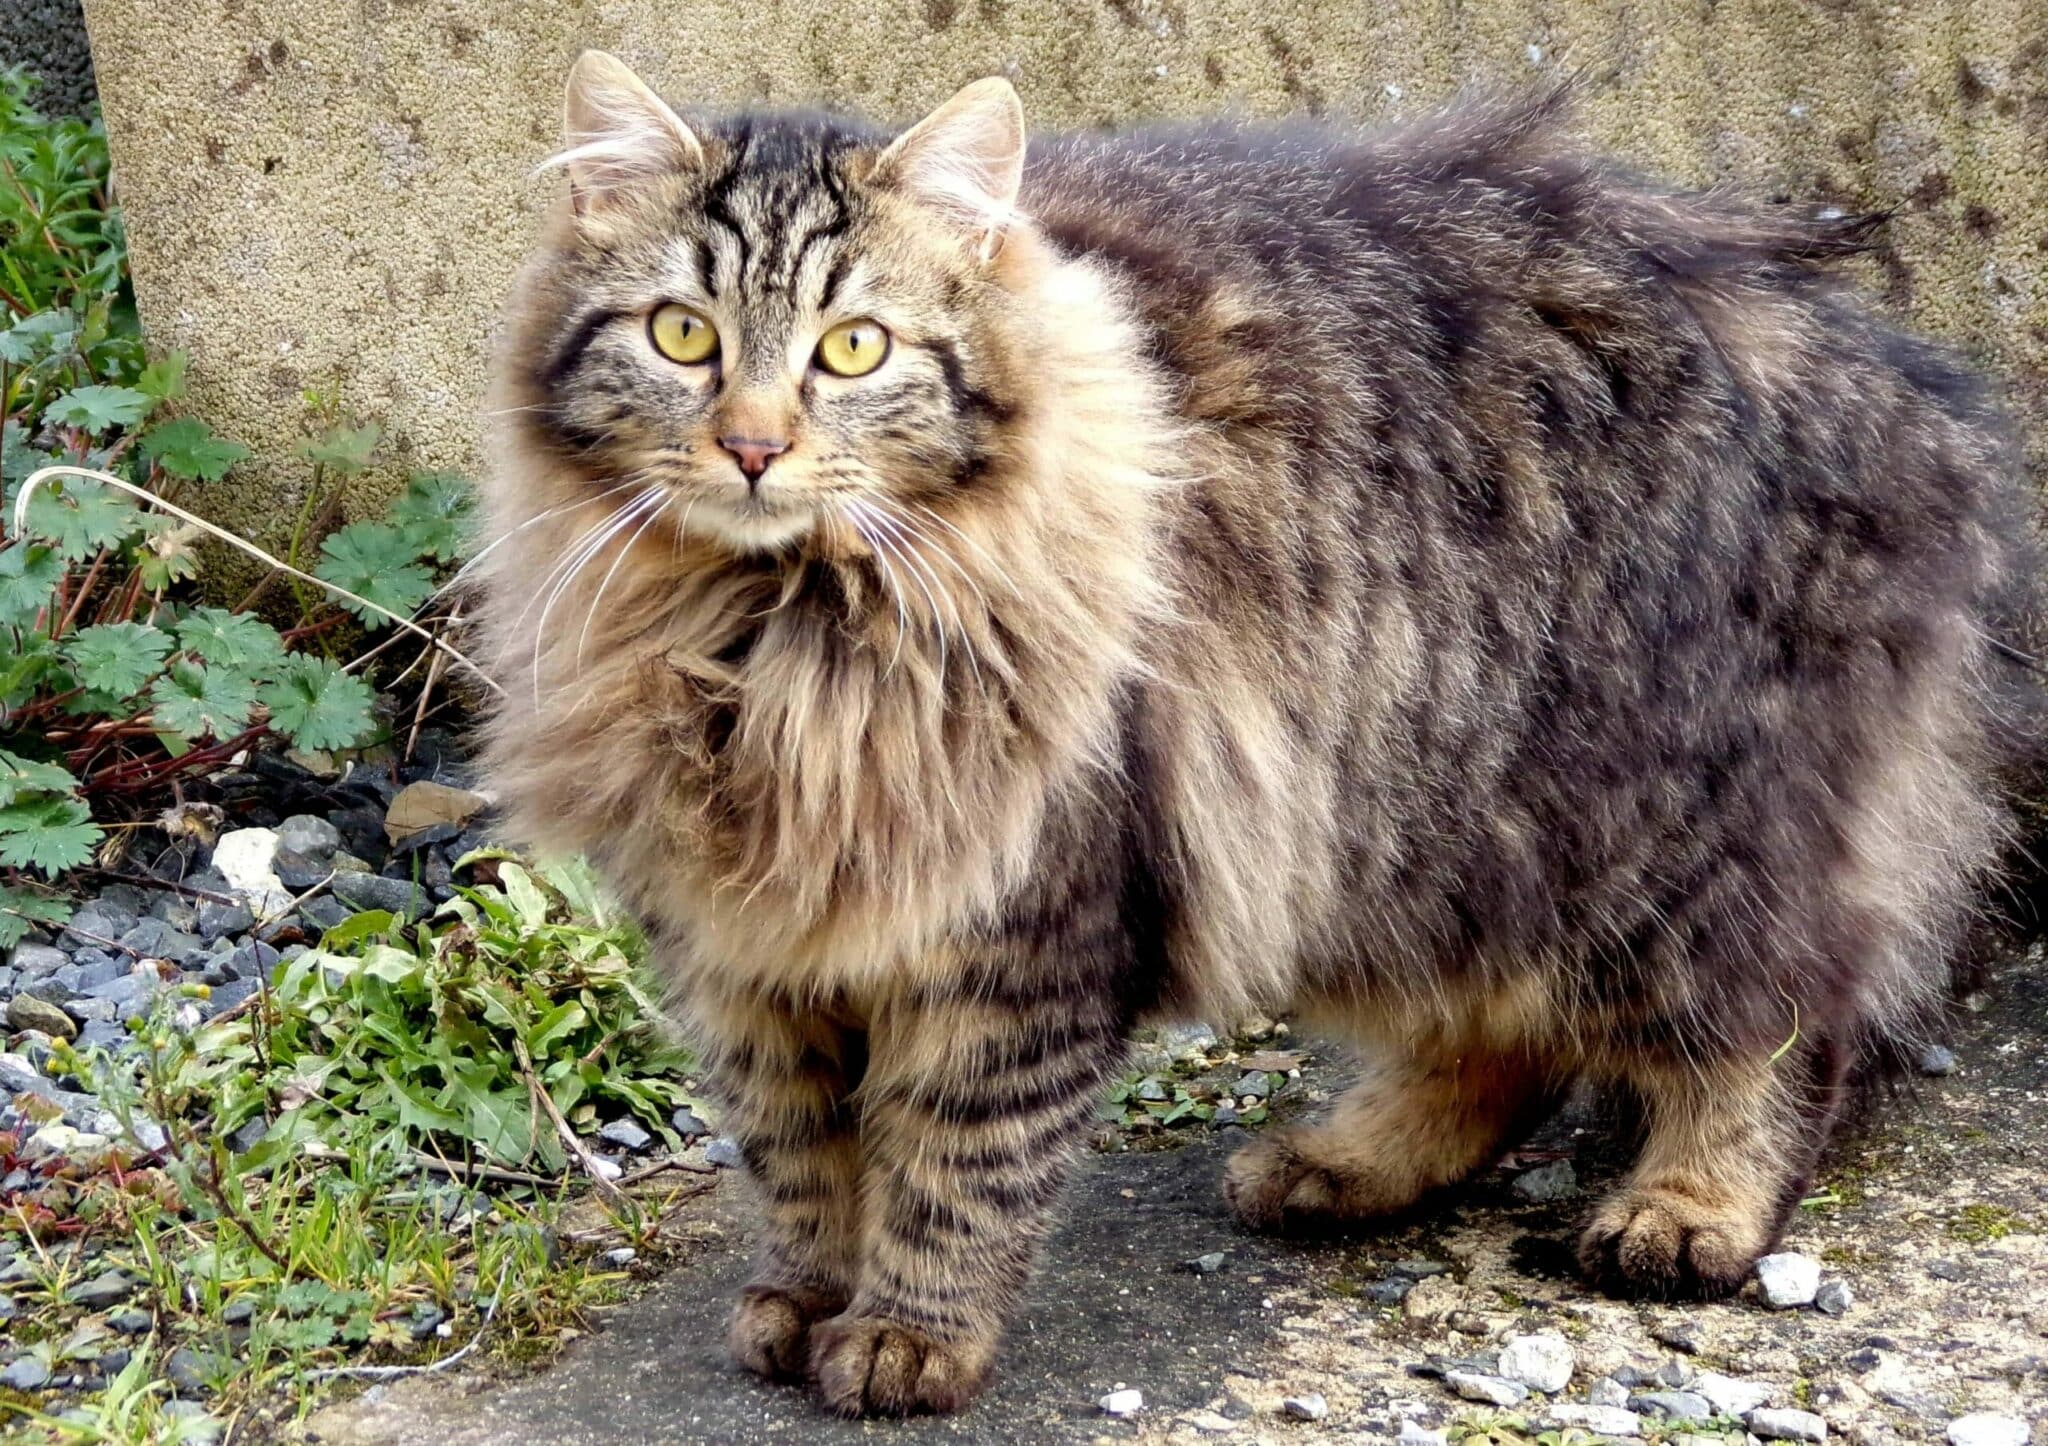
x,y
1674,1405
624,1255
177,913
297,872
626,1134
1786,1425
723,1152
1391,1291
25,1011
7,1307
1492,1390
99,920
85,977
36,960
1419,1269
1225,1115
1730,1395
685,1123
1554,1181
309,835
1600,1420
1254,1085
25,1373
1542,1362
373,891
1311,1407
131,1322
218,921
1205,1264
227,996
238,1312
1987,1428
1181,1041
1937,1059
1608,1392
1834,1297
1788,1280
189,1368
1674,1374
426,1317
109,1288
129,994
19,1076
1152,1089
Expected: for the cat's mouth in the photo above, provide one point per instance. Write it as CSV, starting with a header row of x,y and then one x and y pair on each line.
x,y
754,519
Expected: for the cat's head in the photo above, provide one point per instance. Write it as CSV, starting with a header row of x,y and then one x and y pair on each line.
x,y
763,324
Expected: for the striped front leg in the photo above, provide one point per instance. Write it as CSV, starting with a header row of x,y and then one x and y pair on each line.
x,y
971,1108
786,1076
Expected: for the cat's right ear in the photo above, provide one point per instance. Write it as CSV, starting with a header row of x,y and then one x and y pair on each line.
x,y
620,135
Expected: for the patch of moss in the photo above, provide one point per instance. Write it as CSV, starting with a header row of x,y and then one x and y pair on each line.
x,y
1976,1224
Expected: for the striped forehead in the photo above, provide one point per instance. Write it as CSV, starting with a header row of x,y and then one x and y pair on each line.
x,y
774,219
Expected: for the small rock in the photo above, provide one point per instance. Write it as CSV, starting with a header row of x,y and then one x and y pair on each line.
x,y
373,891
1493,1390
1205,1264
1419,1269
723,1152
1414,1435
1730,1396
1391,1291
1946,1270
1937,1059
1253,1086
1554,1181
425,1320
131,1322
25,1011
7,1308
1608,1392
244,857
25,1374
239,1312
1225,1115
34,961
1152,1089
1433,1299
109,1288
309,836
220,921
19,1076
624,1255
189,1369
176,913
1788,1280
1673,1374
99,920
1834,1297
1600,1420
1678,1335
61,1141
1674,1405
427,805
1541,1362
1122,1403
626,1135
1986,1428
1183,1041
1311,1407
297,872
1786,1425
685,1123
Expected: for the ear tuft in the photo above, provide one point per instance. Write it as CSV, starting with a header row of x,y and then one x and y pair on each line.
x,y
620,135
965,159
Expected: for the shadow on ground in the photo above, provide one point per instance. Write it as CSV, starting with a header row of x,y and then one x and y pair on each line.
x,y
1934,1216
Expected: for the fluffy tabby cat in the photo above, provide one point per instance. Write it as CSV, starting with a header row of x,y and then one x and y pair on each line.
x,y
1523,618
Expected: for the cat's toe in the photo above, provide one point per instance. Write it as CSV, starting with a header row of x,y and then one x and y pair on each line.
x,y
1671,1244
871,1366
771,1328
1284,1182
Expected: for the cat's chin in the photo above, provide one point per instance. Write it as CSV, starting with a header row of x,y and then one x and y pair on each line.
x,y
750,527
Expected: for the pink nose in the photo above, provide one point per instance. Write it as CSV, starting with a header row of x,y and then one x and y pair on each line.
x,y
753,453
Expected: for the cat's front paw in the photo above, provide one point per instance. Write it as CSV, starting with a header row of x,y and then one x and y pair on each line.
x,y
871,1366
1301,1180
771,1329
1695,1243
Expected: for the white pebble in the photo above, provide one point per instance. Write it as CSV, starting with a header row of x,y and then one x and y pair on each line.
x,y
1122,1403
1987,1428
1788,1279
1600,1420
1491,1389
1728,1395
1414,1435
1785,1425
1541,1362
1311,1407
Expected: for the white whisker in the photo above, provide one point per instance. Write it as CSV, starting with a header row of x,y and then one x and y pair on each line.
x,y
625,518
583,637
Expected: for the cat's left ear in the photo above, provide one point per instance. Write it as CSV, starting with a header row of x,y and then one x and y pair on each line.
x,y
966,160
621,135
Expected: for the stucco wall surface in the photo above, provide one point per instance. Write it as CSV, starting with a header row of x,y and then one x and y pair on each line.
x,y
333,195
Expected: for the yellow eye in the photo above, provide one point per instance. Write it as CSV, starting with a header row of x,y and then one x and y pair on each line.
x,y
681,335
853,348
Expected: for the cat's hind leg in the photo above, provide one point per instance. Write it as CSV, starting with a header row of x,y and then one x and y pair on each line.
x,y
1416,1120
1731,1145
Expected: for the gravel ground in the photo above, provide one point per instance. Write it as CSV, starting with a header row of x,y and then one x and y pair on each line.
x,y
1921,1314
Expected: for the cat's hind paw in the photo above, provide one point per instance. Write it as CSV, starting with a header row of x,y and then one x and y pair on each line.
x,y
871,1366
771,1328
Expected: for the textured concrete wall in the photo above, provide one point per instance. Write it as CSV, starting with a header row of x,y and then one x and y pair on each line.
x,y
328,194
48,38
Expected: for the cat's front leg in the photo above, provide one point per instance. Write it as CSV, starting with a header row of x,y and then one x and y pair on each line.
x,y
787,1074
974,1100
